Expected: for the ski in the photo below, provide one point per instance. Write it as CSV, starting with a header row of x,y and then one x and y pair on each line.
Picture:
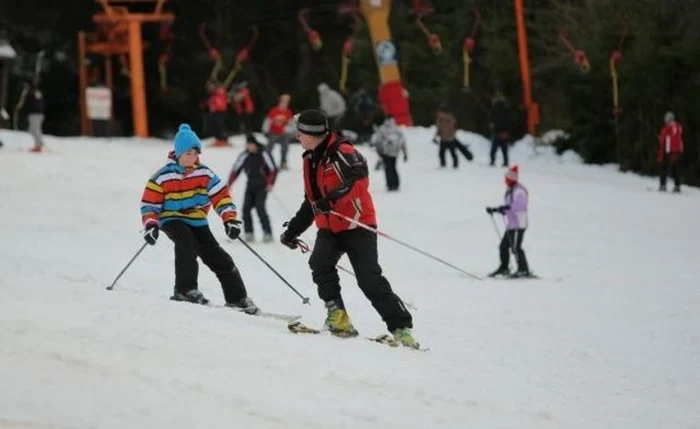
x,y
297,327
530,277
289,318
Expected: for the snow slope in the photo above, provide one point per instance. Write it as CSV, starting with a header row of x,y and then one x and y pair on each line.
x,y
614,345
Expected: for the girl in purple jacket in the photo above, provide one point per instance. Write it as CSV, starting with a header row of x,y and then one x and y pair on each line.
x,y
515,211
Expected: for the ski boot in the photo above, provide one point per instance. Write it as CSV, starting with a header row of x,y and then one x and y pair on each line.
x,y
521,274
501,271
245,305
249,237
677,189
404,337
193,295
338,322
662,188
267,238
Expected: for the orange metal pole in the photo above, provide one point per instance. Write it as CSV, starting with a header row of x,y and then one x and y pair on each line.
x,y
82,84
525,68
138,86
109,81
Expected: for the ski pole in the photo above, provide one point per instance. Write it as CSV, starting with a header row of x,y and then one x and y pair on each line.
x,y
110,287
422,252
304,299
495,227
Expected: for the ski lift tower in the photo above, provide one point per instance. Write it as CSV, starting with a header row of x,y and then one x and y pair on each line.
x,y
119,33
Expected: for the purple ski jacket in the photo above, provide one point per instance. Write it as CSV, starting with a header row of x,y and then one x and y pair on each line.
x,y
516,216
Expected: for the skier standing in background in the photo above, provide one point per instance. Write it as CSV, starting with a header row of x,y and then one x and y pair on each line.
x,y
217,104
275,128
500,126
447,136
244,106
261,170
33,100
177,199
332,104
336,180
670,151
389,142
515,210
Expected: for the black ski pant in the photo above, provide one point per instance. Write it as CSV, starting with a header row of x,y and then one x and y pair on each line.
x,y
498,143
361,248
513,242
217,125
669,166
450,145
255,199
198,241
392,175
453,146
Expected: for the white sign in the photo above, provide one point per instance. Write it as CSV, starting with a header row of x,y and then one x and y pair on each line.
x,y
386,53
376,3
99,103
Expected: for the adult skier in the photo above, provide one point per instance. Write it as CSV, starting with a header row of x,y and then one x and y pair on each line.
x,y
336,182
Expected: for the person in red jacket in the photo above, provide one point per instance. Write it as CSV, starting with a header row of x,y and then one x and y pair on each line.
x,y
336,180
217,104
670,150
275,127
243,103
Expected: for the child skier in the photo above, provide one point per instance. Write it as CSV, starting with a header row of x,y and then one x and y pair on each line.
x,y
262,172
515,211
177,199
389,141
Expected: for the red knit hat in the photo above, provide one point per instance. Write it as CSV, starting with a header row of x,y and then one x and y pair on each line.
x,y
512,175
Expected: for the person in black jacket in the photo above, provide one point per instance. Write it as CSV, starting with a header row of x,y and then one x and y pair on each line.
x,y
500,126
262,172
33,100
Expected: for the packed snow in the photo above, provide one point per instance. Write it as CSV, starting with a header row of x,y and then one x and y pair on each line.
x,y
614,344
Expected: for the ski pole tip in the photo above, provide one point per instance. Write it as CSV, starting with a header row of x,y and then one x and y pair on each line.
x,y
306,301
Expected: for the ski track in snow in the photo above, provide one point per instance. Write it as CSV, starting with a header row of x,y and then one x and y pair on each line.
x,y
613,345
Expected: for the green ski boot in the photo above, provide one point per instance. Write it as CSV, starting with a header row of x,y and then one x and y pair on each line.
x,y
338,322
404,337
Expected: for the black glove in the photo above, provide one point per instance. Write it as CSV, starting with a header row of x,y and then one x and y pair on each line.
x,y
151,233
233,229
503,209
322,205
289,240
405,158
490,210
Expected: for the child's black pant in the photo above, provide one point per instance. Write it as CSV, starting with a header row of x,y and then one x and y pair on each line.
x,y
198,241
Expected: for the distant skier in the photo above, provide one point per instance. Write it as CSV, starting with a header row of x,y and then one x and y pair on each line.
x,y
32,98
500,126
515,210
177,199
261,170
243,104
336,187
670,151
332,104
217,105
276,127
447,136
389,142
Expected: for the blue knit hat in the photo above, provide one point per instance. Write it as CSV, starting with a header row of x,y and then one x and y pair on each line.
x,y
186,139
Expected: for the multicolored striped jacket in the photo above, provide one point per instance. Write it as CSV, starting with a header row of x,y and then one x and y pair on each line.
x,y
176,193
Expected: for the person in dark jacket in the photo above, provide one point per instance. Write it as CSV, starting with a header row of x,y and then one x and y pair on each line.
x,y
500,126
337,199
32,99
261,170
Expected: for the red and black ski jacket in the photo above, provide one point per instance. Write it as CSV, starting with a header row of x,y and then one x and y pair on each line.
x,y
336,171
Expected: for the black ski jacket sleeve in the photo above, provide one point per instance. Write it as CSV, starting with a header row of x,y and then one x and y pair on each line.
x,y
352,167
302,220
